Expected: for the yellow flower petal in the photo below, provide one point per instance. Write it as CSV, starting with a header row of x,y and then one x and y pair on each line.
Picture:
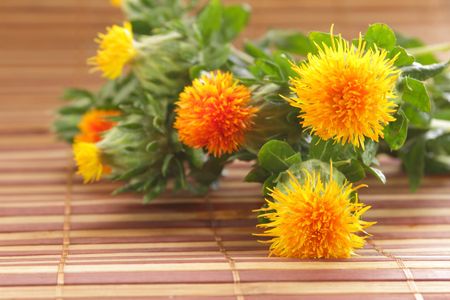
x,y
314,220
115,50
89,162
116,3
344,92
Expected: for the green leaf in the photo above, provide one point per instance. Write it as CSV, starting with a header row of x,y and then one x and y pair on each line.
x,y
130,187
414,92
72,109
209,20
131,126
395,132
423,72
235,18
210,171
133,172
284,64
294,159
180,178
215,57
140,27
413,158
311,166
380,35
196,157
166,164
158,124
377,173
416,117
269,184
353,170
257,174
318,39
126,89
329,150
403,58
437,164
155,191
152,146
273,154
408,43
242,155
76,94
195,71
292,42
438,144
369,153
443,114
255,51
270,68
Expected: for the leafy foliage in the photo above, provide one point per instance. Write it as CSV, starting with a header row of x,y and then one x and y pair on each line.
x,y
177,46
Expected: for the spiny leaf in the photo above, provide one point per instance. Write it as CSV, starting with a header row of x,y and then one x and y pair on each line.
x,y
414,92
413,158
353,170
423,72
403,58
377,173
273,154
395,132
381,35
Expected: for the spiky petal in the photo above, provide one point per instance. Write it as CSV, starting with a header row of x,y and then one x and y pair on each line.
x,y
94,123
89,161
215,113
314,219
345,92
115,50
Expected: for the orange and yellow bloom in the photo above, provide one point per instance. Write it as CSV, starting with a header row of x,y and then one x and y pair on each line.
x,y
89,161
94,123
314,219
344,92
116,50
116,3
215,113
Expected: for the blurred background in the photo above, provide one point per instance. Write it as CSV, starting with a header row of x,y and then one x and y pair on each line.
x,y
44,44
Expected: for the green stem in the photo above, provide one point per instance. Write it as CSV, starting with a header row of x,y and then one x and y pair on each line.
x,y
153,40
341,163
242,55
429,49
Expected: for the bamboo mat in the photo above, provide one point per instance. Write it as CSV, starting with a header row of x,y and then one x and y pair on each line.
x,y
60,239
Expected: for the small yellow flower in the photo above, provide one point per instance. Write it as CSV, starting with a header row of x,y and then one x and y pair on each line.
x,y
214,113
94,123
116,3
115,50
344,92
315,219
89,161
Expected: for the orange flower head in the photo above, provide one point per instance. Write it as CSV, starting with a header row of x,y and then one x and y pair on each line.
x,y
344,92
215,113
94,123
314,219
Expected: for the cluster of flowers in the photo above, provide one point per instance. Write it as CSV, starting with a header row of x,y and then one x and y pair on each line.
x,y
311,111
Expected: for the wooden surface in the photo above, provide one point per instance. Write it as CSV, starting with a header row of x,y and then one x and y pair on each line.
x,y
60,239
